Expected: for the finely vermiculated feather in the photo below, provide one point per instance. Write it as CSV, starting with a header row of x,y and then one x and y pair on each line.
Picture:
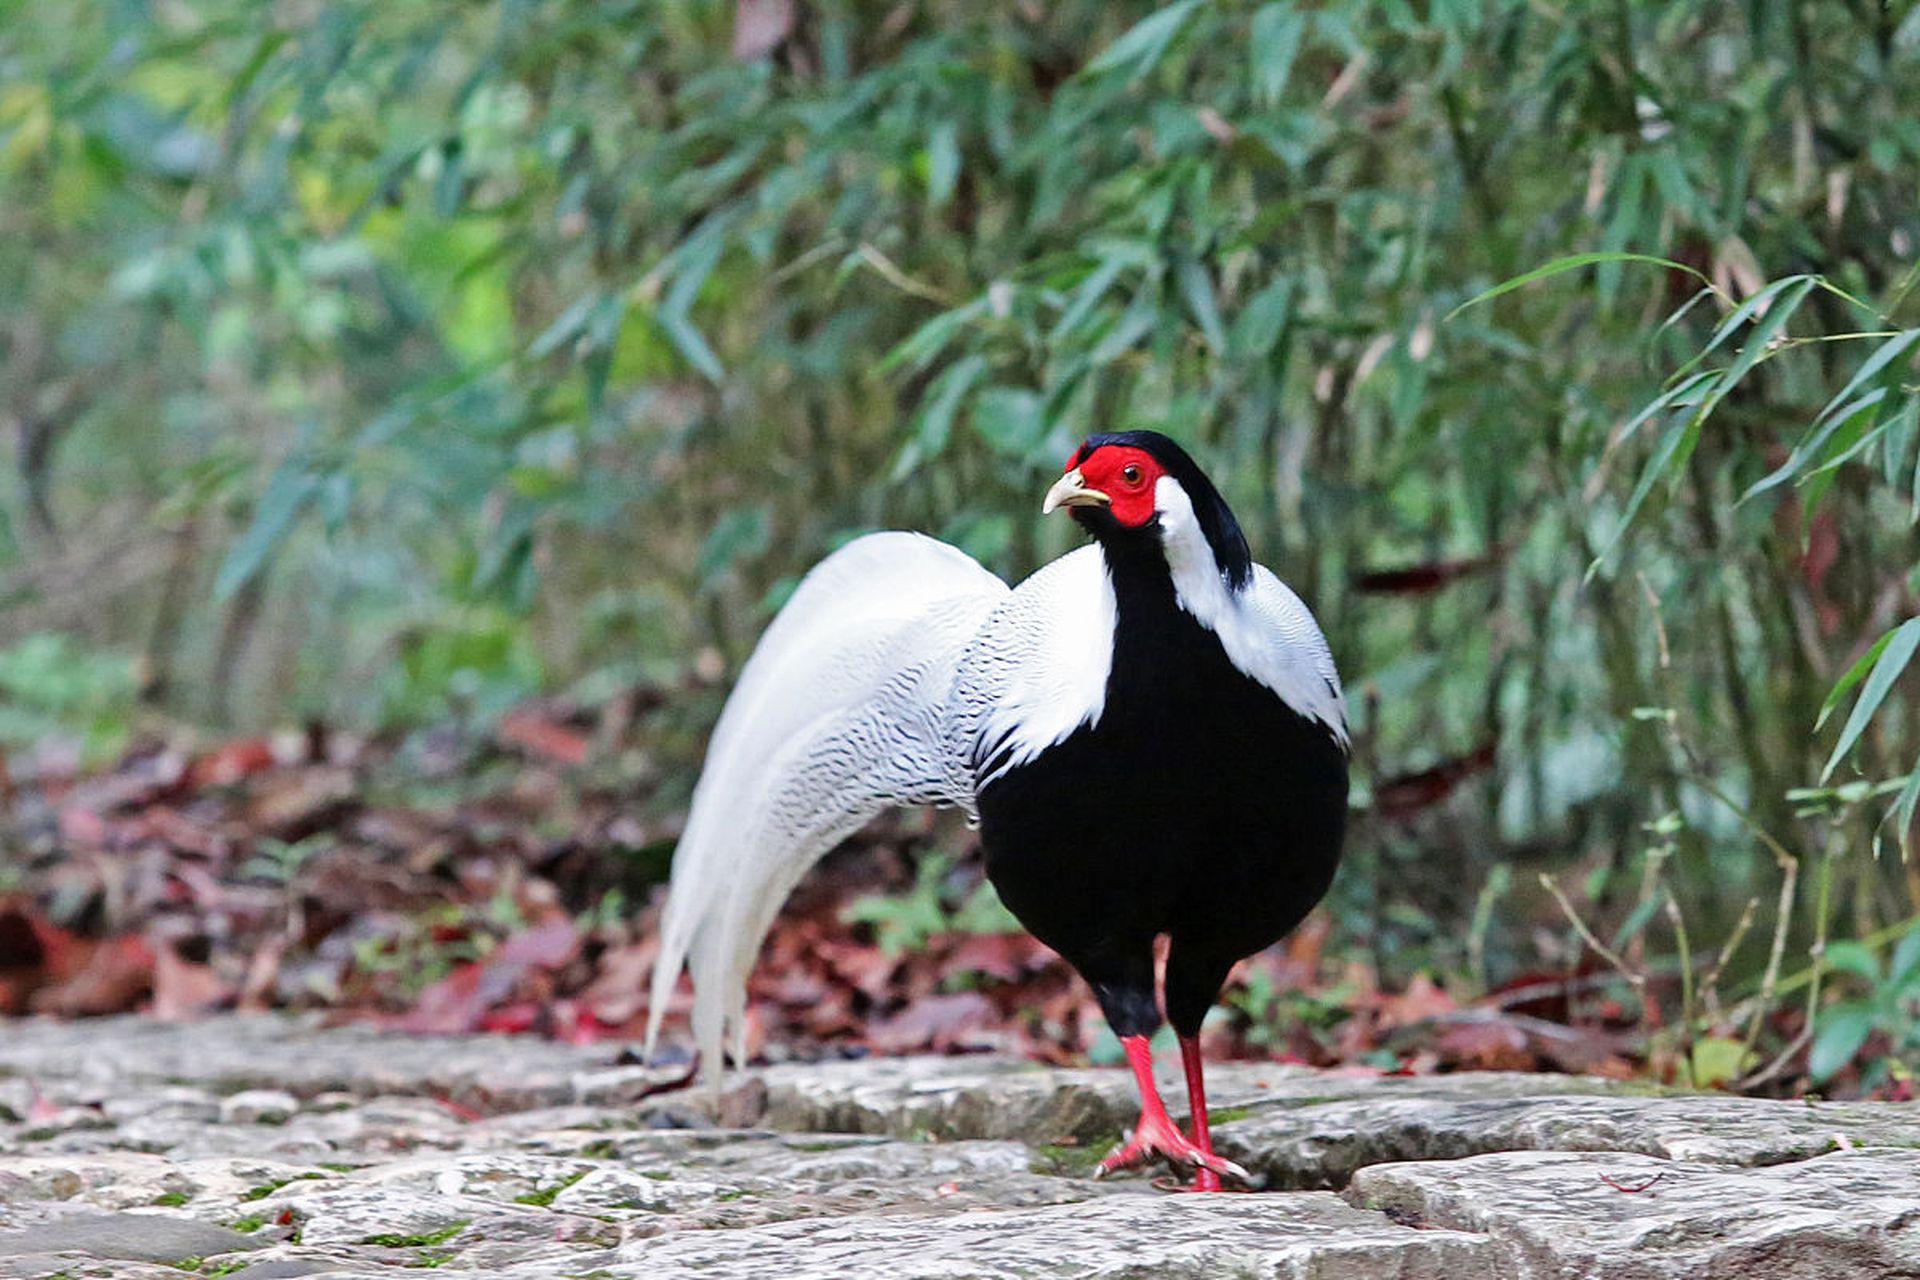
x,y
839,714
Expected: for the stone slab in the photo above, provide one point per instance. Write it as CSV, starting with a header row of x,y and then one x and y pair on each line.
x,y
1323,1143
1557,1215
136,1237
343,1152
1141,1235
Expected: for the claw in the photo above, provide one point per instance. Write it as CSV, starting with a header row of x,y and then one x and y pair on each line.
x,y
1158,1137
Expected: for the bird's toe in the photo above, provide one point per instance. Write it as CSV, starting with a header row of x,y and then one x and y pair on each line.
x,y
1165,1141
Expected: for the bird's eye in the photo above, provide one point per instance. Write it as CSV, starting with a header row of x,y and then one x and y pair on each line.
x,y
1131,473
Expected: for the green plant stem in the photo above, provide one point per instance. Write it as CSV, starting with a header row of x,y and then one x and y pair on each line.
x,y
1818,951
1783,914
1634,976
1710,981
1903,290
1679,923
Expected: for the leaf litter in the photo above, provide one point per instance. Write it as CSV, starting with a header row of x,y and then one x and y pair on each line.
x,y
509,881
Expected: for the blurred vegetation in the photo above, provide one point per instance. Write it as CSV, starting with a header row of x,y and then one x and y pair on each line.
x,y
391,362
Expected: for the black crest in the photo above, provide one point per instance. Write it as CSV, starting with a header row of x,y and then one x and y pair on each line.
x,y
1222,531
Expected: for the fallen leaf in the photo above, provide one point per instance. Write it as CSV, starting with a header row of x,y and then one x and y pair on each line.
x,y
937,1023
526,730
112,978
184,989
461,1000
231,763
1409,793
1422,999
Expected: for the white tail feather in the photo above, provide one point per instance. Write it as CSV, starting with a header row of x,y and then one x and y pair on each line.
x,y
839,714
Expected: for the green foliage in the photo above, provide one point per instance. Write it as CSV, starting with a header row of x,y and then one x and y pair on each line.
x,y
1890,1005
280,861
546,1195
421,950
904,922
1071,1160
1273,1010
52,689
419,1239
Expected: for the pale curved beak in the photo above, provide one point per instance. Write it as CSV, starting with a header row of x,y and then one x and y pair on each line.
x,y
1070,490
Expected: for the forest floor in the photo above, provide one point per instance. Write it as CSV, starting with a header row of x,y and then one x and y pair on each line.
x,y
270,1145
506,878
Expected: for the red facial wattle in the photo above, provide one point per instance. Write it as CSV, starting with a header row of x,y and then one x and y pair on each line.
x,y
1127,476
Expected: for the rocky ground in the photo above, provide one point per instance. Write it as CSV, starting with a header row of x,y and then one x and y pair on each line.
x,y
268,1147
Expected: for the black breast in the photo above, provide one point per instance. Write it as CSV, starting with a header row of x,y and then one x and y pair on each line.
x,y
1199,805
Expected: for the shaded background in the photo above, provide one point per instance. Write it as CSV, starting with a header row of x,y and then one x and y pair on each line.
x,y
457,388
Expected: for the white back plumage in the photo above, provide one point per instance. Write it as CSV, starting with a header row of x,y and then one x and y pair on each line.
x,y
901,672
1038,668
836,717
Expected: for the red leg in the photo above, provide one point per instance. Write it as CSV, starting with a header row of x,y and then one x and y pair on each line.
x,y
1157,1135
1204,1179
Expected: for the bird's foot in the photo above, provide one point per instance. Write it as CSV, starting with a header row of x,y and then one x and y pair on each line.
x,y
1157,1136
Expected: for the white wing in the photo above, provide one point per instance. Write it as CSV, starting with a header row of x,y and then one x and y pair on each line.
x,y
1267,630
841,712
1284,650
1038,668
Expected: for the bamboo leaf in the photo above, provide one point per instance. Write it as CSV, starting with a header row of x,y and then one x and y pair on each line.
x,y
1142,45
1853,439
1905,961
1740,315
1843,1030
1670,454
1843,410
1904,808
1274,38
1087,296
1680,395
1572,262
293,486
1196,286
1883,356
943,163
738,535
1261,320
919,348
1686,308
701,256
1814,440
934,425
1134,324
1896,651
1902,427
1760,340
1854,675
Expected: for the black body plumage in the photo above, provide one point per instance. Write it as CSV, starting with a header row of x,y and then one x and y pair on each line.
x,y
1199,804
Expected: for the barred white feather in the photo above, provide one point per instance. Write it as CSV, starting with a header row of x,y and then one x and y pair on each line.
x,y
1038,668
837,716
